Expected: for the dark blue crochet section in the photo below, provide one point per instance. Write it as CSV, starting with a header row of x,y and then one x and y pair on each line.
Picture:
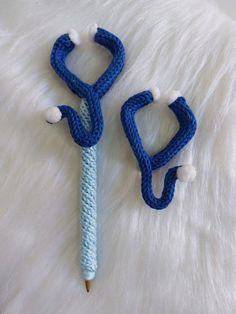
x,y
92,93
187,129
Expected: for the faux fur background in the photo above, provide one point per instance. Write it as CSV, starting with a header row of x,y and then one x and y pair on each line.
x,y
180,260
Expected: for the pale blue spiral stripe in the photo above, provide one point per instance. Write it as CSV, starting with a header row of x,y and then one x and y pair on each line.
x,y
88,213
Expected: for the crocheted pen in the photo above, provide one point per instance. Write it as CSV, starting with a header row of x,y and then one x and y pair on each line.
x,y
88,191
88,209
86,129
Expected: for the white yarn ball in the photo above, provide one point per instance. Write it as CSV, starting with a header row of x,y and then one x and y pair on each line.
x,y
173,96
53,115
156,93
186,173
92,31
74,36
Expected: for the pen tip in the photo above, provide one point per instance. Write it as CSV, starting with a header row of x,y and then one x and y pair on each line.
x,y
87,284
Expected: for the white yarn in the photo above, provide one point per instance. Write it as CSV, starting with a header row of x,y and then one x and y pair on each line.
x,y
173,96
186,173
53,115
156,94
74,36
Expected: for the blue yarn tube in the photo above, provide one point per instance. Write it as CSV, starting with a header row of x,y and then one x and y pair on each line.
x,y
147,164
88,211
92,93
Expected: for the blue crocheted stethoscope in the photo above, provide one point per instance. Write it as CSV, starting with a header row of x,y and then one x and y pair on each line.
x,y
91,93
147,163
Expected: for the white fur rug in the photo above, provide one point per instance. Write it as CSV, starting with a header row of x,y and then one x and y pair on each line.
x,y
179,260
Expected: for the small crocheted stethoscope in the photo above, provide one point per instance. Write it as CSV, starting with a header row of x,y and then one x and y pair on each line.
x,y
147,163
90,93
86,129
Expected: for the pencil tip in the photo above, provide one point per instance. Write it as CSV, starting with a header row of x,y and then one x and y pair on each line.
x,y
87,284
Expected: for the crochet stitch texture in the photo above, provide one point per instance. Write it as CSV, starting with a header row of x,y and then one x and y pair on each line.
x,y
92,93
187,129
88,210
86,129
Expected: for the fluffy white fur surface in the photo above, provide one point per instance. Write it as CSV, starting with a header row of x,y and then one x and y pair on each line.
x,y
179,260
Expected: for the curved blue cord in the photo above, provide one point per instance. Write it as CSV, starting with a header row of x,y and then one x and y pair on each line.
x,y
91,93
187,129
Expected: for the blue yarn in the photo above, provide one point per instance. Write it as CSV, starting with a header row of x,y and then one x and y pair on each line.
x,y
92,93
187,129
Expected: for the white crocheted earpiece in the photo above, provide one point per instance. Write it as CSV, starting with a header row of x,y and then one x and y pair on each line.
x,y
74,36
156,93
173,96
186,173
53,115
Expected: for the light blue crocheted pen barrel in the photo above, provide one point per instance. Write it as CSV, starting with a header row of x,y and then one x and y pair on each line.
x,y
88,211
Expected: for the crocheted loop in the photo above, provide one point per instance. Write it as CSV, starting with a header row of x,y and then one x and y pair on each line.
x,y
91,93
187,129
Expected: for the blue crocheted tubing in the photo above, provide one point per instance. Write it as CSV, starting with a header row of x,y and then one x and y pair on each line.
x,y
92,93
187,129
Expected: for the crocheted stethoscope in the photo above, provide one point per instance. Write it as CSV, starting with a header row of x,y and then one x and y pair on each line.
x,y
86,128
91,93
147,163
